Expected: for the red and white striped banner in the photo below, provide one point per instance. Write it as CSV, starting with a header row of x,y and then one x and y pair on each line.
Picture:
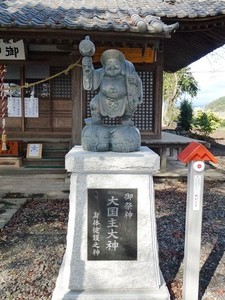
x,y
4,137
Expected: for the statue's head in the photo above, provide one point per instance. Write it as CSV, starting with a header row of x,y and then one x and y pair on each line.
x,y
113,62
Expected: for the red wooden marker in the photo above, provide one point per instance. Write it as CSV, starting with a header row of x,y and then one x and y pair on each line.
x,y
196,151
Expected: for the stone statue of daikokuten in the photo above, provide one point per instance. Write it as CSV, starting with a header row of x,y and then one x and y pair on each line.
x,y
119,93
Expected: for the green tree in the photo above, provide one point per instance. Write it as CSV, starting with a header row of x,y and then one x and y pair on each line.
x,y
185,116
175,85
206,122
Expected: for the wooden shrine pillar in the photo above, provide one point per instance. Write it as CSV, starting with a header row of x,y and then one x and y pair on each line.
x,y
158,94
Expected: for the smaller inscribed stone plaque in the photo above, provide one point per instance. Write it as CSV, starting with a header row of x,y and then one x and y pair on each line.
x,y
112,224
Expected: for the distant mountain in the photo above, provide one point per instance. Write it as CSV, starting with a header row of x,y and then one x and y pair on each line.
x,y
217,105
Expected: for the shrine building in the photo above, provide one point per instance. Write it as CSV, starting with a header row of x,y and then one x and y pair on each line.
x,y
39,40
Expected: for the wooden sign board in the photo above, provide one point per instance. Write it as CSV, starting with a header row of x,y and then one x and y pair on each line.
x,y
135,55
34,150
31,107
14,107
12,50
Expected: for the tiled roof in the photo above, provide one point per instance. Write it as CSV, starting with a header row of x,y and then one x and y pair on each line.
x,y
102,15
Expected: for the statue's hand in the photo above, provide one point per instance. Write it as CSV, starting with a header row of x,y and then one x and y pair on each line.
x,y
92,121
87,72
87,61
131,79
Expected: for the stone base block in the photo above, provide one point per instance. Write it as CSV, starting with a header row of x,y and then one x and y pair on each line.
x,y
112,250
159,294
120,295
63,293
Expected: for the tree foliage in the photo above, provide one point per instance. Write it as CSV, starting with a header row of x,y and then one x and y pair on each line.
x,y
175,85
185,116
187,83
206,122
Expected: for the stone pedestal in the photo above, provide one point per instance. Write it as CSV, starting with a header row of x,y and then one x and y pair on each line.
x,y
112,250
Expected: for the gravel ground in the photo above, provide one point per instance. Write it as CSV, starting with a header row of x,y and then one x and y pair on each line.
x,y
170,211
31,249
33,242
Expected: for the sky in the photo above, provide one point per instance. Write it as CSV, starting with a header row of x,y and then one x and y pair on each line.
x,y
209,72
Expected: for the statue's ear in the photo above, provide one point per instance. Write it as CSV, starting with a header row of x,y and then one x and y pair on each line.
x,y
102,71
129,67
124,69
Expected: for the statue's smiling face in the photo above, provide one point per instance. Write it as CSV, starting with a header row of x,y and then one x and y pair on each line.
x,y
113,67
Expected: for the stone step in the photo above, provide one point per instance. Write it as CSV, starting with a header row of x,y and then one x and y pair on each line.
x,y
60,153
54,145
34,171
44,162
53,154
